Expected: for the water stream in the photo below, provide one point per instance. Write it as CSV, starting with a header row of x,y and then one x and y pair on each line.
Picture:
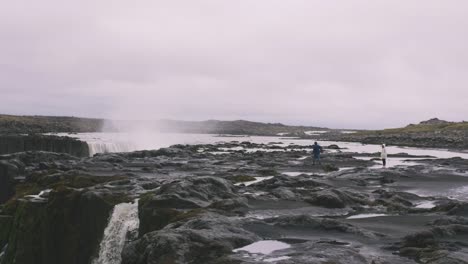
x,y
124,219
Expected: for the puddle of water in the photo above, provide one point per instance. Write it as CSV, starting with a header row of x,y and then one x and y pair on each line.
x,y
219,152
257,179
426,205
295,174
361,216
395,162
276,259
264,247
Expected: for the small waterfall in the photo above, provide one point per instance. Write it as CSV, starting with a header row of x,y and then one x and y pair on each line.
x,y
109,147
3,252
124,219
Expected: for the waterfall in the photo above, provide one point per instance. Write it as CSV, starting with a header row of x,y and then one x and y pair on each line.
x,y
3,252
124,219
109,147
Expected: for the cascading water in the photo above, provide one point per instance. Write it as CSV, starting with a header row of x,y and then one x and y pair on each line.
x,y
3,252
109,147
124,219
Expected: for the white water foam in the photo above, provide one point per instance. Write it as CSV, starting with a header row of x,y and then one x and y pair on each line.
x,y
426,205
123,142
361,216
41,197
257,179
124,219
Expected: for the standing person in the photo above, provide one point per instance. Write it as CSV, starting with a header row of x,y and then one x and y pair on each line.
x,y
383,155
316,150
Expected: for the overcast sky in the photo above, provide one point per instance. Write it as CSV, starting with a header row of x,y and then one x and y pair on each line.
x,y
342,64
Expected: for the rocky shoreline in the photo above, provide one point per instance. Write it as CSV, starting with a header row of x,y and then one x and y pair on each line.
x,y
237,202
433,133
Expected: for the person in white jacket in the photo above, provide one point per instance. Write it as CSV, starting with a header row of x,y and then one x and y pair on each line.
x,y
383,155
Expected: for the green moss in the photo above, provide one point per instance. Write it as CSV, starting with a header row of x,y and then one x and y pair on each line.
x,y
23,189
114,199
421,128
146,197
84,181
187,215
330,168
242,178
267,172
9,207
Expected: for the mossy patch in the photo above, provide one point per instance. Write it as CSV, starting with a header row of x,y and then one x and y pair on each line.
x,y
330,168
84,181
267,172
241,178
188,215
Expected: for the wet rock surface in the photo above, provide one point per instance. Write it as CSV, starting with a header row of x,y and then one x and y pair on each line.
x,y
231,202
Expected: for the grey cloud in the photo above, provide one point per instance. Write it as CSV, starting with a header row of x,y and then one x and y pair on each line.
x,y
357,63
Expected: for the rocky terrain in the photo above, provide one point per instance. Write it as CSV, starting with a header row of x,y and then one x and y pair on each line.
x,y
20,143
236,202
433,133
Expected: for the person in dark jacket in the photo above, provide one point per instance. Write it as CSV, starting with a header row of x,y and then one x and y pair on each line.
x,y
316,151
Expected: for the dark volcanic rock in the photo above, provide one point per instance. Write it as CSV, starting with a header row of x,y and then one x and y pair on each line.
x,y
157,209
306,222
336,198
68,228
21,143
8,172
440,244
203,239
327,198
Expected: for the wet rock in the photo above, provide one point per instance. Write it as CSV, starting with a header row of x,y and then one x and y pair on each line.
x,y
307,222
459,209
335,198
420,240
328,199
234,206
286,181
440,244
8,172
68,225
203,239
284,193
6,222
333,146
7,185
157,209
34,157
330,168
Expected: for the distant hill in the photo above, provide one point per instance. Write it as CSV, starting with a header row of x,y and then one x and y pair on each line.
x,y
433,133
10,124
238,127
